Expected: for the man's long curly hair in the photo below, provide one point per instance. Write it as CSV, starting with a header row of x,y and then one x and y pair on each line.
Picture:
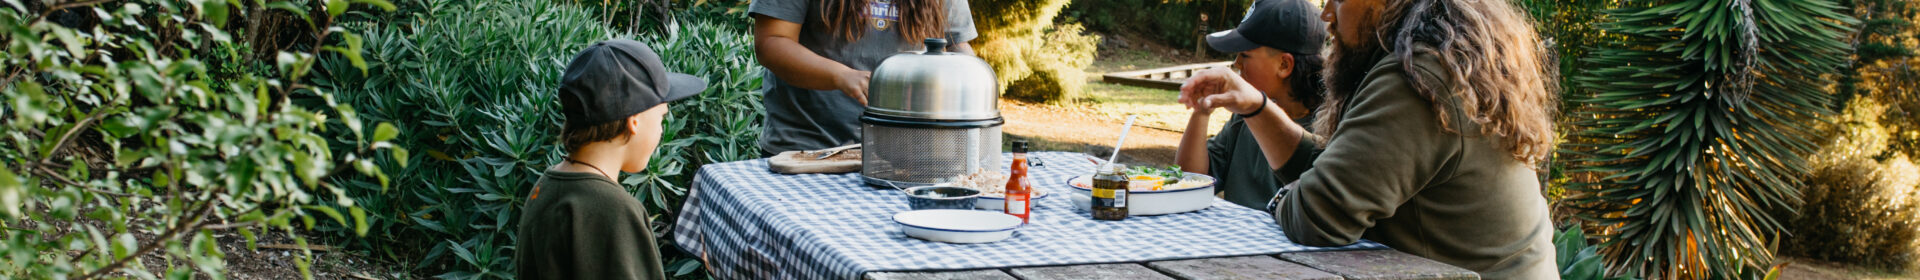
x,y
1498,70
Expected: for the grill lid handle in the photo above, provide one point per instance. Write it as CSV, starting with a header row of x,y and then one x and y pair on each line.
x,y
936,46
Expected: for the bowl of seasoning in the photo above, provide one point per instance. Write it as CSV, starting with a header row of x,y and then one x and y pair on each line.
x,y
941,197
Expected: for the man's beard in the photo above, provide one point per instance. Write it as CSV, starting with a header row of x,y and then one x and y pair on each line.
x,y
1347,67
1345,73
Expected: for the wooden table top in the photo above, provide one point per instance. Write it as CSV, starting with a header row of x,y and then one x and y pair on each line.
x,y
1362,264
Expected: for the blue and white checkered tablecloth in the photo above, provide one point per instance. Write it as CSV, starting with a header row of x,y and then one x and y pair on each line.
x,y
750,223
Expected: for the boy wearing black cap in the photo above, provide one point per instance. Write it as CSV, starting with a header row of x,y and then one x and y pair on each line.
x,y
578,222
1277,49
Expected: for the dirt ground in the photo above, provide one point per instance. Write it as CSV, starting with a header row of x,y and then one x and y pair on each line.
x,y
1078,129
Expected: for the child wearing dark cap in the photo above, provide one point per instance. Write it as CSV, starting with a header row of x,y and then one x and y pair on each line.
x,y
1277,50
578,222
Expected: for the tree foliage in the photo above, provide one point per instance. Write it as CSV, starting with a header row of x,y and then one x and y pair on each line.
x,y
1694,124
1032,59
1863,195
136,130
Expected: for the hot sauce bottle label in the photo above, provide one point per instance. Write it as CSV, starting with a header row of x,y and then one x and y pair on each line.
x,y
1017,206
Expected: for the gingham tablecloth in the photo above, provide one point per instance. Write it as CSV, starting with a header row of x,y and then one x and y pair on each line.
x,y
750,223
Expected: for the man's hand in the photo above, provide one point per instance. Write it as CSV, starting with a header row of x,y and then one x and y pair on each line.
x,y
853,83
1221,88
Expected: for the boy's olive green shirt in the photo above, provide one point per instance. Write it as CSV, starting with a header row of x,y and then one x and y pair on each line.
x,y
583,226
1391,174
1240,169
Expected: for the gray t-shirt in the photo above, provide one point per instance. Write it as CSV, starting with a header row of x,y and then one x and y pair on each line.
x,y
804,119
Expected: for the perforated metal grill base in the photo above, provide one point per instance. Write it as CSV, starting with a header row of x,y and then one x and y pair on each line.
x,y
910,157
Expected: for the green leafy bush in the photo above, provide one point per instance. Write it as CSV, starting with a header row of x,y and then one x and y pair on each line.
x,y
1859,208
1057,66
136,130
1030,62
1579,260
1860,198
478,80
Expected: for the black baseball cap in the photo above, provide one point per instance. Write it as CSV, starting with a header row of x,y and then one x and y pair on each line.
x,y
614,79
1293,26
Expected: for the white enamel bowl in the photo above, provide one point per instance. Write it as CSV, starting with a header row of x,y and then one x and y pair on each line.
x,y
957,226
1148,203
1000,202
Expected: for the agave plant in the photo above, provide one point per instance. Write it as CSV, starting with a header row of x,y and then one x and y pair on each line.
x,y
1693,126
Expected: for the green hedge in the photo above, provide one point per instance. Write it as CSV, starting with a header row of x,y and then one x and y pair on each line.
x,y
473,84
137,132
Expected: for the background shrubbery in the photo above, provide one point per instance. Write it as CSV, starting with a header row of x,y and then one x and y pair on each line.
x,y
1175,23
1034,59
1862,199
137,132
474,83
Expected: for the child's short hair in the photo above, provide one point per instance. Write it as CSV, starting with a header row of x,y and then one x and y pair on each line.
x,y
573,137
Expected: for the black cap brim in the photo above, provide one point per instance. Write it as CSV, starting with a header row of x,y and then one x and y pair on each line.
x,y
1230,41
682,86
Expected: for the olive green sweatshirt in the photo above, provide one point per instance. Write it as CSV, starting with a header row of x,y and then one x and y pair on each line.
x,y
1390,174
583,226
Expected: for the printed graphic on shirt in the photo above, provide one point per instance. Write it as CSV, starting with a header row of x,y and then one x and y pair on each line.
x,y
882,13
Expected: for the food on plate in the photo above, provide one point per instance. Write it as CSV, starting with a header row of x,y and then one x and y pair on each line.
x,y
1141,178
990,183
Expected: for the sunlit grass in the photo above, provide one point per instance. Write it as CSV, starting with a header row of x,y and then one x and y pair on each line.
x,y
1157,108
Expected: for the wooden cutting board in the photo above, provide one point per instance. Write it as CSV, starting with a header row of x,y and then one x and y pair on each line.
x,y
805,162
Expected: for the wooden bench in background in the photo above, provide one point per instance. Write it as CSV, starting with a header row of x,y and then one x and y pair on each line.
x,y
1168,78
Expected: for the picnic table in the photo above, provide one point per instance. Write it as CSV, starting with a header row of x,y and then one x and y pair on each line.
x,y
746,222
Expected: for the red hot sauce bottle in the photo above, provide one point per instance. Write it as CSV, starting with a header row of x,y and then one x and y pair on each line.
x,y
1019,187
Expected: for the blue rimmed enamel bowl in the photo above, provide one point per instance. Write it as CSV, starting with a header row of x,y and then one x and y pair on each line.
x,y
957,226
999,201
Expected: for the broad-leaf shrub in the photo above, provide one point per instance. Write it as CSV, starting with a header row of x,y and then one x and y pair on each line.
x,y
477,82
135,130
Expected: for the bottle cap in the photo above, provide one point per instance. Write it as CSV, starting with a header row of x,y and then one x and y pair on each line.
x,y
1019,146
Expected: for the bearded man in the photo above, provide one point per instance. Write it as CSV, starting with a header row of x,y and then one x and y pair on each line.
x,y
1437,118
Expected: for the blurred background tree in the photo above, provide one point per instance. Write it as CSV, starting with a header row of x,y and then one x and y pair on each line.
x,y
1035,60
1863,198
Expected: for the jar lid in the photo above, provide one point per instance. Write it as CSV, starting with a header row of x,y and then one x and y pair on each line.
x,y
1112,168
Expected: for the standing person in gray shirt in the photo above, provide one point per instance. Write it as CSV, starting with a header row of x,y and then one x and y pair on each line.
x,y
819,55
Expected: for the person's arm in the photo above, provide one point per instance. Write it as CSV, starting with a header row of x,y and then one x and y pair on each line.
x,y
960,28
1192,154
962,47
776,43
1388,147
1221,88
